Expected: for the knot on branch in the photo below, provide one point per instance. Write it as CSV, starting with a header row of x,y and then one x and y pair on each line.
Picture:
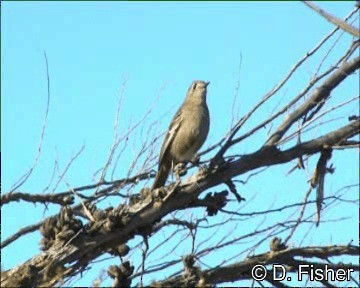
x,y
137,198
59,229
26,277
98,214
107,220
215,202
160,193
121,274
121,250
276,245
192,274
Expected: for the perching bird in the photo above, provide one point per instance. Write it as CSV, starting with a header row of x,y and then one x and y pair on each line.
x,y
187,132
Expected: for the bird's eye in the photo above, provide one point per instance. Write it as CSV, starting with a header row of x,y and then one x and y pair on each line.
x,y
194,86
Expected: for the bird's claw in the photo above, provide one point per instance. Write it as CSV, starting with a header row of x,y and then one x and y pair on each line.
x,y
180,170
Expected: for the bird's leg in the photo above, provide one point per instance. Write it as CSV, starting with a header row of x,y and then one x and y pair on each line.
x,y
195,160
203,169
180,170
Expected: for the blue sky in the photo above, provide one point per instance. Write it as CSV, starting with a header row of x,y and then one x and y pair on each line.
x,y
158,49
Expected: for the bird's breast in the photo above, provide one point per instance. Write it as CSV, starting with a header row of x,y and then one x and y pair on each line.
x,y
191,135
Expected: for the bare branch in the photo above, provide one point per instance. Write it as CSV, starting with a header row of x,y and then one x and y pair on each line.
x,y
320,94
336,21
26,176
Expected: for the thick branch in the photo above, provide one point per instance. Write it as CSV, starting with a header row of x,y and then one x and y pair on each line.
x,y
85,247
242,270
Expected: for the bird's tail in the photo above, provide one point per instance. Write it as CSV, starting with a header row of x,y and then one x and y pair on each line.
x,y
161,175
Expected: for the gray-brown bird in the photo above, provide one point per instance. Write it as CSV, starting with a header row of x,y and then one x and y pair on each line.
x,y
187,132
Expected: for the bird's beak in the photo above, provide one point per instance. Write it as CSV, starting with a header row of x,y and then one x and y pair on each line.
x,y
207,83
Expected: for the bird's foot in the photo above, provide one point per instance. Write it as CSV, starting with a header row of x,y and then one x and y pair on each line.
x,y
180,170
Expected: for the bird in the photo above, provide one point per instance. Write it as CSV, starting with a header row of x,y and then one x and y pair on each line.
x,y
187,132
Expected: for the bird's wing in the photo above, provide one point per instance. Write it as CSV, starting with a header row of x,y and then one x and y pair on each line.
x,y
170,135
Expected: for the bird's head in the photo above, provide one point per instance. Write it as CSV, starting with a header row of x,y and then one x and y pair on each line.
x,y
197,91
